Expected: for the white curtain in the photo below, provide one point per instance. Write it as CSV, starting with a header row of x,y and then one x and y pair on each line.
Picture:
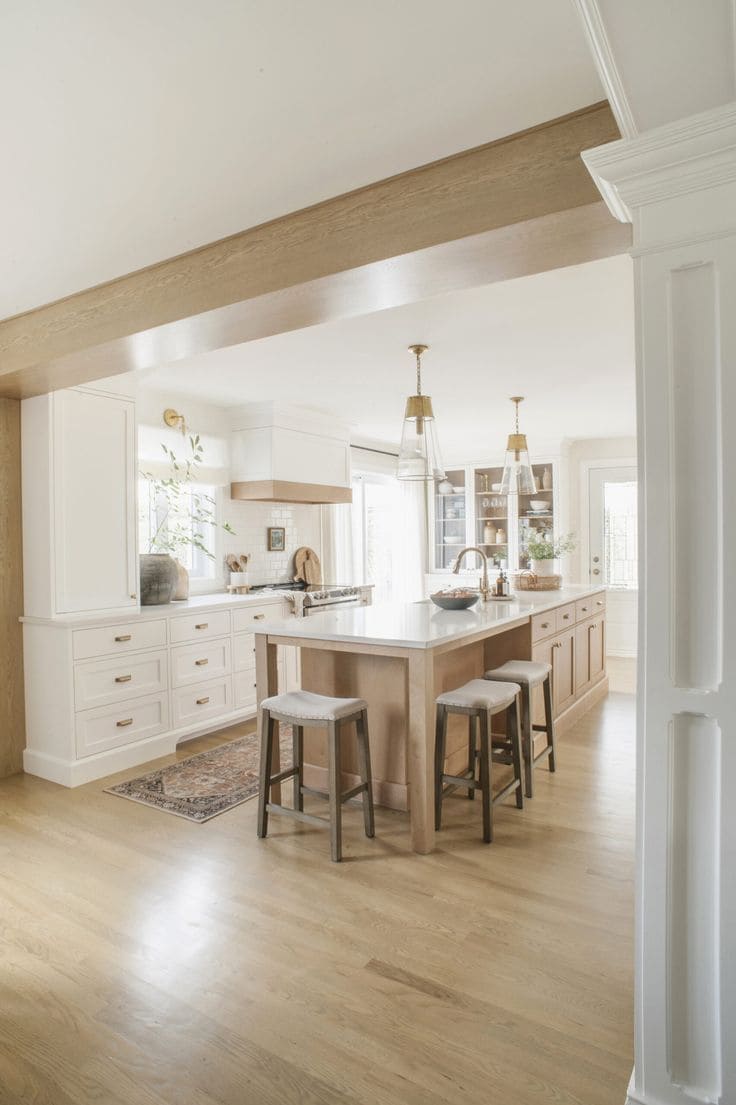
x,y
411,547
337,544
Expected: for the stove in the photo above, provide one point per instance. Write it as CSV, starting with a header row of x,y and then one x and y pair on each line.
x,y
308,600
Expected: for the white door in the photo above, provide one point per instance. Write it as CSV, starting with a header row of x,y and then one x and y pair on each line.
x,y
612,552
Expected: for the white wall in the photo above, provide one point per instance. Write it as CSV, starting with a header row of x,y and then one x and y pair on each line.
x,y
250,521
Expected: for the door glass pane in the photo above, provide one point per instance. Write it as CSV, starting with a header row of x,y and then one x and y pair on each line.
x,y
620,535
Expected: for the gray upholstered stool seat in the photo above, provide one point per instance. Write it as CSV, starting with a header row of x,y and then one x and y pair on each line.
x,y
307,706
479,700
529,674
303,709
479,694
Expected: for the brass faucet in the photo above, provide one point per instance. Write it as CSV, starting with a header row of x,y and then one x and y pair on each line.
x,y
484,588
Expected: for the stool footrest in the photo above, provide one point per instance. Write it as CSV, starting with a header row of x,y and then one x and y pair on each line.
x,y
315,793
505,791
348,794
545,752
461,780
287,773
298,815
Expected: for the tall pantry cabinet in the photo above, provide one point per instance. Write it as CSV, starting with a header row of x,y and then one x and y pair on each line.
x,y
79,503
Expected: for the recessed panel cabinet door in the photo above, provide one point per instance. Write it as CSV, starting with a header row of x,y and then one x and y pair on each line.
x,y
597,646
94,509
542,652
563,670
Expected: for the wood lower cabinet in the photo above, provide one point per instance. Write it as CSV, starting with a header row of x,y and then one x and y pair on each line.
x,y
577,654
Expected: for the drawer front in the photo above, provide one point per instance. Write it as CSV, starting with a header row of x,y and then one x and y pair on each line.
x,y
565,617
199,663
113,639
247,619
123,723
192,704
244,685
198,627
585,608
244,652
99,682
543,625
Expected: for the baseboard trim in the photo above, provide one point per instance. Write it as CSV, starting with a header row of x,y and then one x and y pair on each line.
x,y
75,773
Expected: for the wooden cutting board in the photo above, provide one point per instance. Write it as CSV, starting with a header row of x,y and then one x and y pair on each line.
x,y
307,566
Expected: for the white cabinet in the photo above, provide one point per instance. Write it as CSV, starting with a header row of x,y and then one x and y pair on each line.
x,y
79,503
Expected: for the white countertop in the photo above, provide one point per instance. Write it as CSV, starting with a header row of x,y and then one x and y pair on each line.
x,y
422,624
197,604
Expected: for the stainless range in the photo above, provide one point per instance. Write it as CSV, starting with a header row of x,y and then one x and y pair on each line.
x,y
313,600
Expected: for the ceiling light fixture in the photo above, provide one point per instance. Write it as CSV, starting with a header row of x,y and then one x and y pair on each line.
x,y
419,454
518,477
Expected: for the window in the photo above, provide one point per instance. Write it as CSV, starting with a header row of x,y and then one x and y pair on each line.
x,y
620,535
376,524
178,525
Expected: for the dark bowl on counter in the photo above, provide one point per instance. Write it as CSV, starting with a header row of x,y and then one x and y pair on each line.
x,y
455,600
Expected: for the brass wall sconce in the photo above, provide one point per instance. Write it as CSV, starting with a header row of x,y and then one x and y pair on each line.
x,y
174,420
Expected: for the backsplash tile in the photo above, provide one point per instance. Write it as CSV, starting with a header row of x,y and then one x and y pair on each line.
x,y
251,521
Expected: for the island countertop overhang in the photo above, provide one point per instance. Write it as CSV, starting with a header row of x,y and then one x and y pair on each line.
x,y
421,625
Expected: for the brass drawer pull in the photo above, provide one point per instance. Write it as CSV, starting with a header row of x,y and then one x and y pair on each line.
x,y
202,625
545,625
599,602
123,637
201,663
203,701
565,617
258,617
126,721
584,609
123,678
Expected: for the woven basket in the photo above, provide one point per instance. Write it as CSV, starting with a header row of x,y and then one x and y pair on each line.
x,y
530,581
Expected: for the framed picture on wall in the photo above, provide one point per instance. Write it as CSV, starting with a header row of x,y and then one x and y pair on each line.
x,y
276,538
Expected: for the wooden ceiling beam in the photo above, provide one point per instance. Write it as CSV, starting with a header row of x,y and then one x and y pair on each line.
x,y
518,205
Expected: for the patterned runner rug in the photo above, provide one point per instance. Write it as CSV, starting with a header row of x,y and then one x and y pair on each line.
x,y
204,785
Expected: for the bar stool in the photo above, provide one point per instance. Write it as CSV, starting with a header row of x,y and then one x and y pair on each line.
x,y
480,700
302,709
529,674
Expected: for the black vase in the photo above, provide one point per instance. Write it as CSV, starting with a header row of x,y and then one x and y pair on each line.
x,y
158,579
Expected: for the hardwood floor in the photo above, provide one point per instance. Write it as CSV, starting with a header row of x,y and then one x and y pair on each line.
x,y
149,960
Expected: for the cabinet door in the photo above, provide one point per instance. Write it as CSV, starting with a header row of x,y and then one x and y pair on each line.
x,y
597,649
582,657
563,670
94,479
543,652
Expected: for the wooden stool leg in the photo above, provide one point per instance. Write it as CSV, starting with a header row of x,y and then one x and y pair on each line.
x,y
439,762
472,745
527,738
264,792
364,761
335,788
485,776
513,732
549,722
297,743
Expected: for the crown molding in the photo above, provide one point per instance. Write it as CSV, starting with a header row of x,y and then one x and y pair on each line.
x,y
677,159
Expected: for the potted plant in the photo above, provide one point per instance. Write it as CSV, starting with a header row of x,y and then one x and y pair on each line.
x,y
543,552
183,511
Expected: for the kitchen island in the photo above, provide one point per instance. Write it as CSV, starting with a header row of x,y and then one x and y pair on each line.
x,y
399,657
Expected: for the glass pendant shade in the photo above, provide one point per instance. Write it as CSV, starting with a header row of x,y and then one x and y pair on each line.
x,y
518,477
419,452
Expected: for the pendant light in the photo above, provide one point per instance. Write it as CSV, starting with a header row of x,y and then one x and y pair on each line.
x,y
419,454
518,477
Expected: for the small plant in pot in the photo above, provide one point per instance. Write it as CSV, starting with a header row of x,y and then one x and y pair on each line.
x,y
181,512
544,552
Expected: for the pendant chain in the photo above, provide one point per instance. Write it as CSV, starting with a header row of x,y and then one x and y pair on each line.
x,y
419,373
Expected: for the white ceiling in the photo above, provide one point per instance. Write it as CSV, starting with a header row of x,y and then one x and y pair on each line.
x,y
132,132
564,339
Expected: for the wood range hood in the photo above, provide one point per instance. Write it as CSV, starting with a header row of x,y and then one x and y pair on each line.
x,y
282,453
289,491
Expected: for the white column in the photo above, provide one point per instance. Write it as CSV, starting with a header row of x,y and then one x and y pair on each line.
x,y
677,186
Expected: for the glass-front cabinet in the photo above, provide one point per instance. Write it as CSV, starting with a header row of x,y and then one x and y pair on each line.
x,y
450,517
467,508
